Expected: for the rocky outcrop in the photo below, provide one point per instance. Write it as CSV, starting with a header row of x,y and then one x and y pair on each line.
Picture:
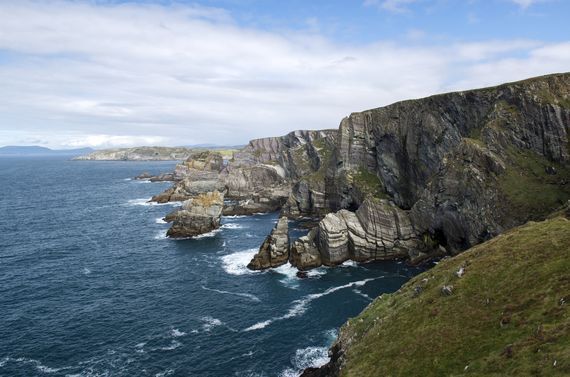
x,y
197,216
304,252
254,189
274,251
378,230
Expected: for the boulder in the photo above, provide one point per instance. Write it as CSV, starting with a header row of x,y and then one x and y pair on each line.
x,y
197,216
274,251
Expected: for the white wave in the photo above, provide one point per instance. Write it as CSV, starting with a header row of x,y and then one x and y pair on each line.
x,y
173,345
234,217
310,357
236,263
161,235
246,295
360,293
38,364
86,271
300,306
315,272
259,325
147,202
331,335
210,323
232,226
127,179
177,333
167,372
160,220
206,235
140,345
349,263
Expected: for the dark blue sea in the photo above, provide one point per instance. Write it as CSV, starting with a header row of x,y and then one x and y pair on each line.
x,y
90,286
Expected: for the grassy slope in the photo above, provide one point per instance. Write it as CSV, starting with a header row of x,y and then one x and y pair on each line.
x,y
505,316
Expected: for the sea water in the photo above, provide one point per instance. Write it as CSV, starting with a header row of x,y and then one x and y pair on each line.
x,y
91,286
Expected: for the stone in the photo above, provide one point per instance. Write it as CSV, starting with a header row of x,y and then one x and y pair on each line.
x,y
274,251
197,216
304,253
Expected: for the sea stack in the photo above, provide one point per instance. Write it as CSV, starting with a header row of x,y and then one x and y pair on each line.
x,y
197,216
274,251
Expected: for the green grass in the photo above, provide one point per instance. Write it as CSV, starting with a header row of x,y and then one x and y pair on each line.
x,y
505,317
368,183
528,189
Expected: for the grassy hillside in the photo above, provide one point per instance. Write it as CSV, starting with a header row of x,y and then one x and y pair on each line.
x,y
507,314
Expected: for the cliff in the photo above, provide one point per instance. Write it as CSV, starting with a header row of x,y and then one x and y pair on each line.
x,y
463,166
500,308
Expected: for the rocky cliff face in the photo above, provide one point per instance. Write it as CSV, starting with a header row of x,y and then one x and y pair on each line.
x,y
409,180
454,159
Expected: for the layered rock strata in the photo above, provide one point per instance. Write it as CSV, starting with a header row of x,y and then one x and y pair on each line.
x,y
197,216
274,251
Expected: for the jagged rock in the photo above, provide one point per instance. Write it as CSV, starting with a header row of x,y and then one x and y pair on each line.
x,y
197,216
304,253
274,251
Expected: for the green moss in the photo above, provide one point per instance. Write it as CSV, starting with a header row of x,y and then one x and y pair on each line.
x,y
368,183
527,187
508,314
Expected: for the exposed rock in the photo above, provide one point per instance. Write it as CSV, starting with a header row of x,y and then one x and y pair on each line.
x,y
455,159
197,216
379,230
304,253
274,251
187,189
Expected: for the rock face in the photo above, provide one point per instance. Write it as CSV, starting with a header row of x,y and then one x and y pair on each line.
x,y
197,216
274,251
304,253
379,230
410,180
468,164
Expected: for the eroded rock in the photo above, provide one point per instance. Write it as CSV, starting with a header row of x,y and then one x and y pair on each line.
x,y
274,251
197,216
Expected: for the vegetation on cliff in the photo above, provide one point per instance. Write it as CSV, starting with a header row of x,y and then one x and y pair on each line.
x,y
500,308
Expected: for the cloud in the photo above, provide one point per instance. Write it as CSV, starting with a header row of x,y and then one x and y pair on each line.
x,y
81,73
524,4
396,6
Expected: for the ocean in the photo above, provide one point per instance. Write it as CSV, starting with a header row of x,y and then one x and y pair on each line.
x,y
90,285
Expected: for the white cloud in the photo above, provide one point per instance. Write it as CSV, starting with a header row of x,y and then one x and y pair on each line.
x,y
76,73
524,4
397,6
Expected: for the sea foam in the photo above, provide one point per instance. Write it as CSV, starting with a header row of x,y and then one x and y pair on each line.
x,y
236,263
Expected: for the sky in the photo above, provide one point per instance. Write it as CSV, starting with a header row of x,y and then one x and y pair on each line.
x,y
123,73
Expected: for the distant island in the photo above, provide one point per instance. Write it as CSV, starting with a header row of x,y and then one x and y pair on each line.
x,y
34,150
152,153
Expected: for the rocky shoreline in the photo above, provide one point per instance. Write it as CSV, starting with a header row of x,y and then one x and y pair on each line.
x,y
414,180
